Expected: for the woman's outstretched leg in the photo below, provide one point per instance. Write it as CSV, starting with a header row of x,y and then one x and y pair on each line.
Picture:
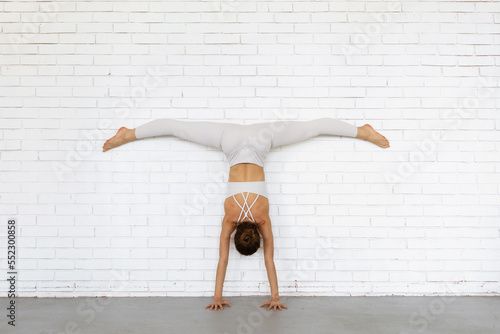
x,y
200,132
289,132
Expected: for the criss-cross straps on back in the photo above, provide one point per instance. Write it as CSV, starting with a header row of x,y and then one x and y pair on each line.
x,y
243,207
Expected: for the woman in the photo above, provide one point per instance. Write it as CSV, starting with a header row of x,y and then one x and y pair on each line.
x,y
246,147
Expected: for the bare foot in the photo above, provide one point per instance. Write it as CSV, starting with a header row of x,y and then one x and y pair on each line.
x,y
123,136
368,133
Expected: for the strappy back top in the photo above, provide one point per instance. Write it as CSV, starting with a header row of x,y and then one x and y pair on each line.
x,y
245,188
243,207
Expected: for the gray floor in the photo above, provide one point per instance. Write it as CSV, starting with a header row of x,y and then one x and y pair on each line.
x,y
305,315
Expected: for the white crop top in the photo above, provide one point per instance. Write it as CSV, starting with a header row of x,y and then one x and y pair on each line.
x,y
242,207
245,188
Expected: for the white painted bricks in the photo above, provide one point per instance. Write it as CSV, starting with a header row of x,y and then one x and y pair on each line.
x,y
348,217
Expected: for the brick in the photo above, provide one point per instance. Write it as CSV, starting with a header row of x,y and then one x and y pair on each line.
x,y
363,235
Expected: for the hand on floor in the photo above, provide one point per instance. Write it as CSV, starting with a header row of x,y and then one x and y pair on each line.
x,y
274,303
218,302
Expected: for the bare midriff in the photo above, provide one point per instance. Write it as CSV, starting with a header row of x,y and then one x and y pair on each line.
x,y
246,172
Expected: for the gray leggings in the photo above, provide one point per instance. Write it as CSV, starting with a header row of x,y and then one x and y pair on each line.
x,y
246,143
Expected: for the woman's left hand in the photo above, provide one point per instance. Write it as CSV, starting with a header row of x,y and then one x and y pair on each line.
x,y
274,303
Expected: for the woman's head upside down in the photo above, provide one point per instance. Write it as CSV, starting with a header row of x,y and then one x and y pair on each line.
x,y
247,238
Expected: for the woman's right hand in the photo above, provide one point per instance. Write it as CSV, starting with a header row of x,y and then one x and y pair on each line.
x,y
218,302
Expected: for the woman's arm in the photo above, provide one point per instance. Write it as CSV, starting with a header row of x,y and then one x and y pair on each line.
x,y
222,266
267,235
225,237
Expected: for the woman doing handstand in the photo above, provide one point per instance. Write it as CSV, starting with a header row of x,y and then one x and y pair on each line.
x,y
246,148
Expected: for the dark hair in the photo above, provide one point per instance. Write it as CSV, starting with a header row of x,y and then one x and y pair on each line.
x,y
247,238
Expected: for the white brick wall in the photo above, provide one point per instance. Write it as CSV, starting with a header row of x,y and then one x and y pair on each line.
x,y
349,218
